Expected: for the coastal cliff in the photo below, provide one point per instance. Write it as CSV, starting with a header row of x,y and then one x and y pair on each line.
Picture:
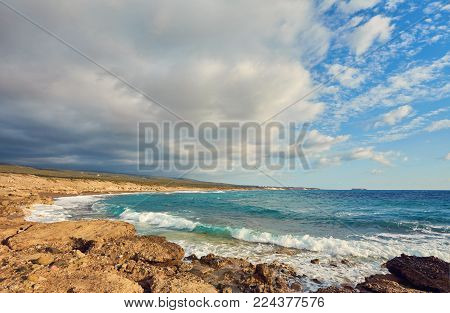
x,y
108,256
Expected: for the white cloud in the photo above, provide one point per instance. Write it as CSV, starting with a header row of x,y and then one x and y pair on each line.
x,y
315,142
392,4
378,28
394,116
425,81
346,76
438,125
356,5
361,153
368,153
412,127
447,157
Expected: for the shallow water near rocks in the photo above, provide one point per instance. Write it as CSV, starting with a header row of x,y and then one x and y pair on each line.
x,y
352,233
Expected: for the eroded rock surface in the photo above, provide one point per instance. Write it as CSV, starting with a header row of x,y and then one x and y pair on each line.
x,y
424,273
108,256
384,284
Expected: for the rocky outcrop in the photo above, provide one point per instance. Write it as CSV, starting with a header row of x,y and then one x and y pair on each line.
x,y
67,235
384,284
410,274
239,275
108,256
423,273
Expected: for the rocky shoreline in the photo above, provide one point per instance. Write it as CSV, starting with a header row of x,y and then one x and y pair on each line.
x,y
108,256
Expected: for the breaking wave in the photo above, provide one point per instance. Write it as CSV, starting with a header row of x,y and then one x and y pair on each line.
x,y
374,246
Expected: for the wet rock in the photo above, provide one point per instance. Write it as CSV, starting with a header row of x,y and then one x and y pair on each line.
x,y
287,251
297,287
424,273
337,289
264,273
384,284
191,257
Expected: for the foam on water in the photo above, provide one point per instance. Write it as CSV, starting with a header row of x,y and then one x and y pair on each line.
x,y
47,213
162,220
63,208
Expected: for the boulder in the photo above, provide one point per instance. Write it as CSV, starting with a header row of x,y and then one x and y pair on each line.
x,y
424,273
384,284
150,249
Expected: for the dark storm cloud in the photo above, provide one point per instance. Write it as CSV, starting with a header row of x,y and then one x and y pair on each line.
x,y
234,62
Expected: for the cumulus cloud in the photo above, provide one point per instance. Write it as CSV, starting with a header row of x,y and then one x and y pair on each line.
x,y
438,125
377,29
205,60
346,75
316,142
394,116
361,153
369,153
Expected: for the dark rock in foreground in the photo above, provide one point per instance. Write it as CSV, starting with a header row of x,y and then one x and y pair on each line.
x,y
424,273
409,274
384,284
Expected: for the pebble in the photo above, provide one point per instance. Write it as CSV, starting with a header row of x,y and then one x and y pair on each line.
x,y
79,254
45,260
33,278
315,261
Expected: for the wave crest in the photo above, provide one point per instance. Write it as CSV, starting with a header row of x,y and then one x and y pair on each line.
x,y
157,219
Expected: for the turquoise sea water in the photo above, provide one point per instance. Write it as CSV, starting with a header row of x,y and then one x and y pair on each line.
x,y
363,227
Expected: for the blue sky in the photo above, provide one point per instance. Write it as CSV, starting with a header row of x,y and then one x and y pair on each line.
x,y
380,113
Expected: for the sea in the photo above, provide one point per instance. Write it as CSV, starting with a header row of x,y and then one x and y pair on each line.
x,y
351,233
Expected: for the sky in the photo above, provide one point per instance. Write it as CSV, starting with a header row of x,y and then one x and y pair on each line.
x,y
376,76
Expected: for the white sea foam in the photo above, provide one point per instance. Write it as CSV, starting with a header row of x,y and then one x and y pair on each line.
x,y
157,219
367,247
47,213
363,247
62,208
